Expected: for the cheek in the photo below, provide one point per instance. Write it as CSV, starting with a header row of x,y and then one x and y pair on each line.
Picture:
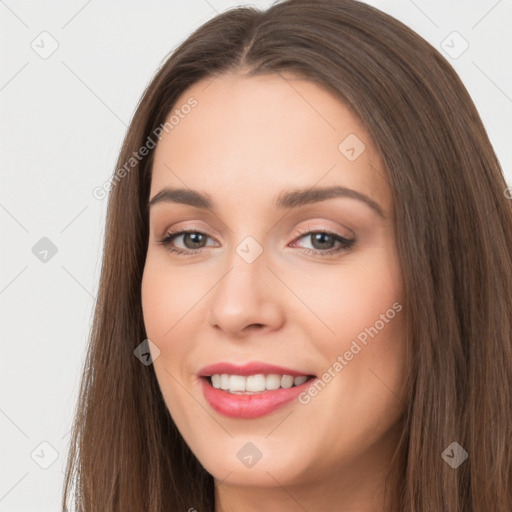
x,y
171,301
368,349
155,302
166,297
352,297
167,294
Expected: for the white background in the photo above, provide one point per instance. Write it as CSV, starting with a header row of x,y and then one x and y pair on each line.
x,y
62,121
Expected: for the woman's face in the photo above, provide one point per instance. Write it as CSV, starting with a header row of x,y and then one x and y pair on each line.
x,y
275,272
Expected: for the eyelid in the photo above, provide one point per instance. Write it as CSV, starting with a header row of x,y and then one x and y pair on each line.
x,y
314,226
179,228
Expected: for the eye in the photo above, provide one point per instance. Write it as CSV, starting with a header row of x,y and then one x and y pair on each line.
x,y
193,238
323,242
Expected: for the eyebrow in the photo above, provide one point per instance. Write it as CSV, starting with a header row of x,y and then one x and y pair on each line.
x,y
285,200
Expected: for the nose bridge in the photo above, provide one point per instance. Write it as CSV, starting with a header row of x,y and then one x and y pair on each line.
x,y
245,295
246,275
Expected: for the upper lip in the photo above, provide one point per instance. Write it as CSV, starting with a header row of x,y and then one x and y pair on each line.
x,y
251,368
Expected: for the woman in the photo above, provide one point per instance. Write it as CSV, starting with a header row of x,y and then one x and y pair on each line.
x,y
306,294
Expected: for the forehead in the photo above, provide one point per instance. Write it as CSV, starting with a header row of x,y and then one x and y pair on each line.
x,y
251,137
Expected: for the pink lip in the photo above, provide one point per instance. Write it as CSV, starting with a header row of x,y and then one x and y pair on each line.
x,y
249,406
252,368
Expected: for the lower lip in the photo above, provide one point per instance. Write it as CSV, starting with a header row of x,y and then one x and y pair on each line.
x,y
249,406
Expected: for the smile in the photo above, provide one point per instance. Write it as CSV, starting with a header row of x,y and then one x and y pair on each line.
x,y
251,390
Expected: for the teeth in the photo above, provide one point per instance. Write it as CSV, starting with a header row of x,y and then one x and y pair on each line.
x,y
255,383
286,381
237,383
216,380
299,380
224,381
272,381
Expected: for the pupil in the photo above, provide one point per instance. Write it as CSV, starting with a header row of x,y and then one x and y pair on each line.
x,y
320,237
196,236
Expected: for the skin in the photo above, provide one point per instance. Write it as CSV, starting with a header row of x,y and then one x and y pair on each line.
x,y
247,140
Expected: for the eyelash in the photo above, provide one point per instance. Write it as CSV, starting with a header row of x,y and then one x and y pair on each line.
x,y
346,243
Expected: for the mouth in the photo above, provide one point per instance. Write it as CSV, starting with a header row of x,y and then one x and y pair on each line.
x,y
252,390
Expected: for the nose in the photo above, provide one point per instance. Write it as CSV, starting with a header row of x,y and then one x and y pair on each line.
x,y
247,298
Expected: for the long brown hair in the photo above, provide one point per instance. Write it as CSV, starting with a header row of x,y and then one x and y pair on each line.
x,y
453,235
